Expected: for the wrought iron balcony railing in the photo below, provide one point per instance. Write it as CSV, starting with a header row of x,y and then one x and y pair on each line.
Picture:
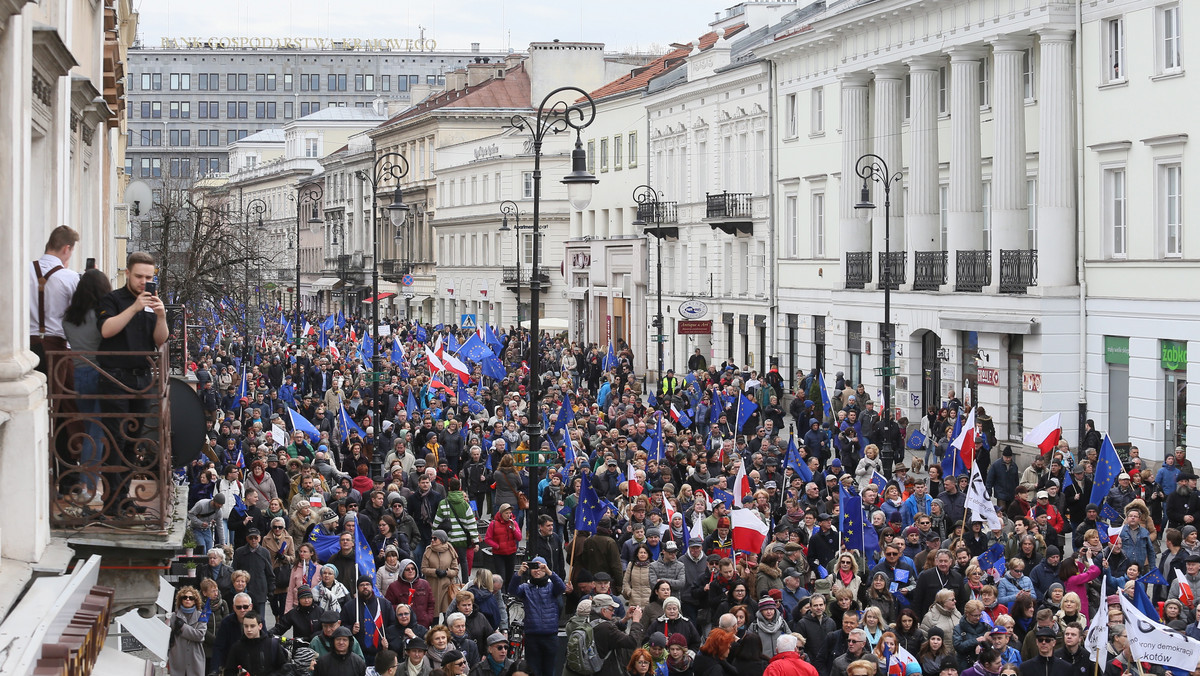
x,y
729,205
974,268
110,453
1018,270
653,213
929,270
892,269
858,269
511,275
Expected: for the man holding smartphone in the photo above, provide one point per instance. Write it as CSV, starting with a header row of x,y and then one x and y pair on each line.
x,y
131,319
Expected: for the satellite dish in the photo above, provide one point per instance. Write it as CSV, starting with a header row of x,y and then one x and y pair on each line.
x,y
139,197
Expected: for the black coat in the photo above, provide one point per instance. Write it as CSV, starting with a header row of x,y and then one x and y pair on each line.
x,y
930,582
263,656
302,622
1046,666
257,562
333,664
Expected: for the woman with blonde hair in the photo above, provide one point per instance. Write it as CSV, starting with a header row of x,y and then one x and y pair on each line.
x,y
868,465
873,624
943,614
845,574
189,625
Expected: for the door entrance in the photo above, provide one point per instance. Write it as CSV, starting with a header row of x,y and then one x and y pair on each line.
x,y
931,369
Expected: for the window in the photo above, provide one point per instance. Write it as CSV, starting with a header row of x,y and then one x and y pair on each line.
x,y
987,214
603,154
1172,45
791,226
336,83
156,109
310,82
943,212
633,149
591,157
617,148
312,147
1031,202
527,249
260,110
181,81
1115,214
818,111
385,83
791,129
818,224
1170,177
145,82
239,110
156,167
145,167
174,110
181,137
288,110
287,82
237,82
985,82
527,184
156,81
145,110
1027,75
907,96
943,100
1114,50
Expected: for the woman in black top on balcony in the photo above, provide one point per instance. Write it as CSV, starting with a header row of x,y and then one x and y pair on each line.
x,y
79,325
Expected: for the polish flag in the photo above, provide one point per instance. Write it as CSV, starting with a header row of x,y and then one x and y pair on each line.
x,y
439,385
456,367
437,348
635,489
749,531
353,336
965,441
308,329
1047,434
741,484
334,352
435,364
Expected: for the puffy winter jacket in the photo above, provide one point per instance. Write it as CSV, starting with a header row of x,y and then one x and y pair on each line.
x,y
541,603
1009,588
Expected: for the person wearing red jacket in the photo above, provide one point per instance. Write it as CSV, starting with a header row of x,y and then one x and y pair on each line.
x,y
1053,516
787,662
503,535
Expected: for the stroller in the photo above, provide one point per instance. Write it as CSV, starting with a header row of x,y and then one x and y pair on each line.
x,y
516,625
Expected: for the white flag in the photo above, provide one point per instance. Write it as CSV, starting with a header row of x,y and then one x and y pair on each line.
x,y
1152,642
697,533
1096,641
979,503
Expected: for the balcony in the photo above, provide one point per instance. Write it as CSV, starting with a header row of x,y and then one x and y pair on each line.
x,y
517,278
730,212
892,269
929,270
94,449
393,270
974,269
658,212
858,269
1018,270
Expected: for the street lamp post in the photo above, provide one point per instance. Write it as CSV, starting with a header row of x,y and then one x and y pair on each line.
x,y
647,197
553,115
341,259
306,194
872,168
510,208
254,208
395,167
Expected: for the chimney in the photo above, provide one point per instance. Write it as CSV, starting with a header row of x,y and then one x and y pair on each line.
x,y
512,60
456,80
479,72
554,64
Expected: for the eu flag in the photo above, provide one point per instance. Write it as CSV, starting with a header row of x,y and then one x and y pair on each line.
x,y
991,556
916,440
826,404
348,425
610,360
421,335
652,401
1108,466
856,532
1155,576
657,453
325,545
364,558
493,341
474,349
745,409
301,423
493,368
793,461
589,511
565,415
467,400
411,404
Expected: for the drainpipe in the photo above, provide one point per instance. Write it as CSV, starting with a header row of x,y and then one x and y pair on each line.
x,y
1080,240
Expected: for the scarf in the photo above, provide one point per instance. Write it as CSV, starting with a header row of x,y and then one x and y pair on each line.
x,y
846,576
682,665
436,655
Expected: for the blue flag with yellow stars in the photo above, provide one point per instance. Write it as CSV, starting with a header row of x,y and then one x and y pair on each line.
x,y
793,461
857,533
590,510
1108,467
826,403
565,415
610,359
348,425
326,545
1155,576
364,558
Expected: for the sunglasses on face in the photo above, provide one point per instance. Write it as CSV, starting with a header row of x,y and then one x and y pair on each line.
x,y
187,598
242,607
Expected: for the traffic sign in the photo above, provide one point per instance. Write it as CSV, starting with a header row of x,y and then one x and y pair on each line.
x,y
658,339
407,280
376,376
886,370
467,322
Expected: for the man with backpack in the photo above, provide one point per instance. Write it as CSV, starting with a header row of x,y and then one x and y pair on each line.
x,y
611,643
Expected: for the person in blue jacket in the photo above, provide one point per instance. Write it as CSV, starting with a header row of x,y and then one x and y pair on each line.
x,y
539,594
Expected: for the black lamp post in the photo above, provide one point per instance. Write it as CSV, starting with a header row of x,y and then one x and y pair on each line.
x,y
255,208
648,198
306,194
395,167
872,168
510,208
553,115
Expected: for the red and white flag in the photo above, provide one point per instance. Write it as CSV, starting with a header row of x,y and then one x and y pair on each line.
x,y
965,441
456,367
749,531
437,384
1047,434
435,364
635,489
741,484
334,352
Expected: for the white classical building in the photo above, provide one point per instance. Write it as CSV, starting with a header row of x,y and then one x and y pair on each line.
x,y
1142,235
973,106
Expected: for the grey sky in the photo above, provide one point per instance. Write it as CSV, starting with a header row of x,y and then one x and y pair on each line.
x,y
455,24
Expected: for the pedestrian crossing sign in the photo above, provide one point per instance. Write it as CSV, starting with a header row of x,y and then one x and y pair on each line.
x,y
467,322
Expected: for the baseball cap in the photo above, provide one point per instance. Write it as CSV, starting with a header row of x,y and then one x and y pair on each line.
x,y
670,546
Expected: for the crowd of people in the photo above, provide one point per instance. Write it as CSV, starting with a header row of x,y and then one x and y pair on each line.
x,y
434,478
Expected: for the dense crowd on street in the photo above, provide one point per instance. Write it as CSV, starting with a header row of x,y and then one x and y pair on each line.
x,y
389,536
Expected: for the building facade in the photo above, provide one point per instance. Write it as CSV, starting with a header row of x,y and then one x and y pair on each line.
x,y
189,100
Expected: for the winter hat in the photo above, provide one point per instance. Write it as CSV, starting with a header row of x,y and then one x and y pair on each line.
x,y
677,639
671,601
441,535
936,631
1052,588
1188,530
658,640
304,590
767,602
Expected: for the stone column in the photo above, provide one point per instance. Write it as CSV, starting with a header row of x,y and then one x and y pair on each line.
x,y
855,228
1056,173
924,208
965,207
1009,213
889,116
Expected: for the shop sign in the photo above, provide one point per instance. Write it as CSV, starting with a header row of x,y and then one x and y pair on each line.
x,y
693,309
1174,355
693,328
1031,382
1116,350
989,376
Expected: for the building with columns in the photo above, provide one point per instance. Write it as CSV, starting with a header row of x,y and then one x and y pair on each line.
x,y
973,108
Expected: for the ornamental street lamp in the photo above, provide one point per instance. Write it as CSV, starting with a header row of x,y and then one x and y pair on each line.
x,y
392,166
649,198
306,195
510,208
872,168
553,115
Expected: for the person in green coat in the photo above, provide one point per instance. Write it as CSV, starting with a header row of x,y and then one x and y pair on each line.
x,y
455,516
